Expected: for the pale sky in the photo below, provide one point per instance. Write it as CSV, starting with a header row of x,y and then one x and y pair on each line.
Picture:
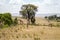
x,y
44,6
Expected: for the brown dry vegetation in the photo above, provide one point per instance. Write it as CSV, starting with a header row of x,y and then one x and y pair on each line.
x,y
34,32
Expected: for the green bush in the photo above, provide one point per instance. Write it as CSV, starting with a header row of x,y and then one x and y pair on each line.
x,y
6,18
15,21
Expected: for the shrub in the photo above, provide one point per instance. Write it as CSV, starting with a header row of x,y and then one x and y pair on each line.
x,y
6,18
15,21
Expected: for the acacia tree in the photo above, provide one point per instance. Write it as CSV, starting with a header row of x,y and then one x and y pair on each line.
x,y
28,10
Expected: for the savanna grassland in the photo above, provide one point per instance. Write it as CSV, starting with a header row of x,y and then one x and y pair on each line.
x,y
40,31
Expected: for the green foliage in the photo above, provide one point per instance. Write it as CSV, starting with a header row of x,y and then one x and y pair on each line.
x,y
27,11
53,17
6,18
23,13
15,21
29,8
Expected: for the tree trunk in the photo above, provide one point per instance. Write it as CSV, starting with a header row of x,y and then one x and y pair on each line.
x,y
28,22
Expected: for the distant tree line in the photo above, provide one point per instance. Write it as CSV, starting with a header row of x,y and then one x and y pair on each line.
x,y
52,17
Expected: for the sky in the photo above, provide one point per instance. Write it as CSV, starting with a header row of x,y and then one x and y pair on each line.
x,y
44,6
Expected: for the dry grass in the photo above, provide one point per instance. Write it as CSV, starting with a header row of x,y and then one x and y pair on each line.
x,y
34,32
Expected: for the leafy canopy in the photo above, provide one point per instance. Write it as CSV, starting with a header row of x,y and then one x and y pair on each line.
x,y
28,8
